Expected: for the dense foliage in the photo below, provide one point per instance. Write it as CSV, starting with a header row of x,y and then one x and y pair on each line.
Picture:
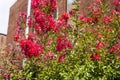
x,y
76,46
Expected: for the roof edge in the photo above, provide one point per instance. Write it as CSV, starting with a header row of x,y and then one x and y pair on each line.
x,y
3,34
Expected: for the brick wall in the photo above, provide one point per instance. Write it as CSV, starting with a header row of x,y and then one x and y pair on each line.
x,y
19,6
62,6
2,42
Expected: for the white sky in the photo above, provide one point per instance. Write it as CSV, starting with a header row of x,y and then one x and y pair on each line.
x,y
4,14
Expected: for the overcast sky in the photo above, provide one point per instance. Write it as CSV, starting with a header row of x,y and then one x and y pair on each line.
x,y
4,14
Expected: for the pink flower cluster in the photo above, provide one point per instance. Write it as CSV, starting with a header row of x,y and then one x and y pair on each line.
x,y
44,22
6,76
61,58
115,48
107,19
43,19
49,56
85,20
31,49
95,56
21,19
50,5
17,36
116,3
63,43
100,45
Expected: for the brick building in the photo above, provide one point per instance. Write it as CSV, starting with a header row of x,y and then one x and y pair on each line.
x,y
2,42
20,6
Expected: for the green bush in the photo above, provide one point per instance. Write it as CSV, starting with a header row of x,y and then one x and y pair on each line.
x,y
73,47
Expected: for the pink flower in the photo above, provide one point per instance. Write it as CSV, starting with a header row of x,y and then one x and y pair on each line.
x,y
98,1
40,19
1,67
107,19
30,22
37,12
22,15
35,3
53,5
31,49
33,52
96,11
25,44
100,45
64,18
31,36
83,19
21,18
95,56
88,19
7,76
115,48
116,2
49,42
90,7
37,28
17,37
43,4
71,12
49,56
115,12
61,58
51,24
63,43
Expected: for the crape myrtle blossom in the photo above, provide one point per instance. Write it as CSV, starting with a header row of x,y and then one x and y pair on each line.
x,y
100,45
49,56
50,5
61,58
116,3
85,20
95,56
63,43
45,23
64,16
107,19
42,13
115,48
42,21
7,76
71,11
21,19
31,21
31,49
17,37
98,1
